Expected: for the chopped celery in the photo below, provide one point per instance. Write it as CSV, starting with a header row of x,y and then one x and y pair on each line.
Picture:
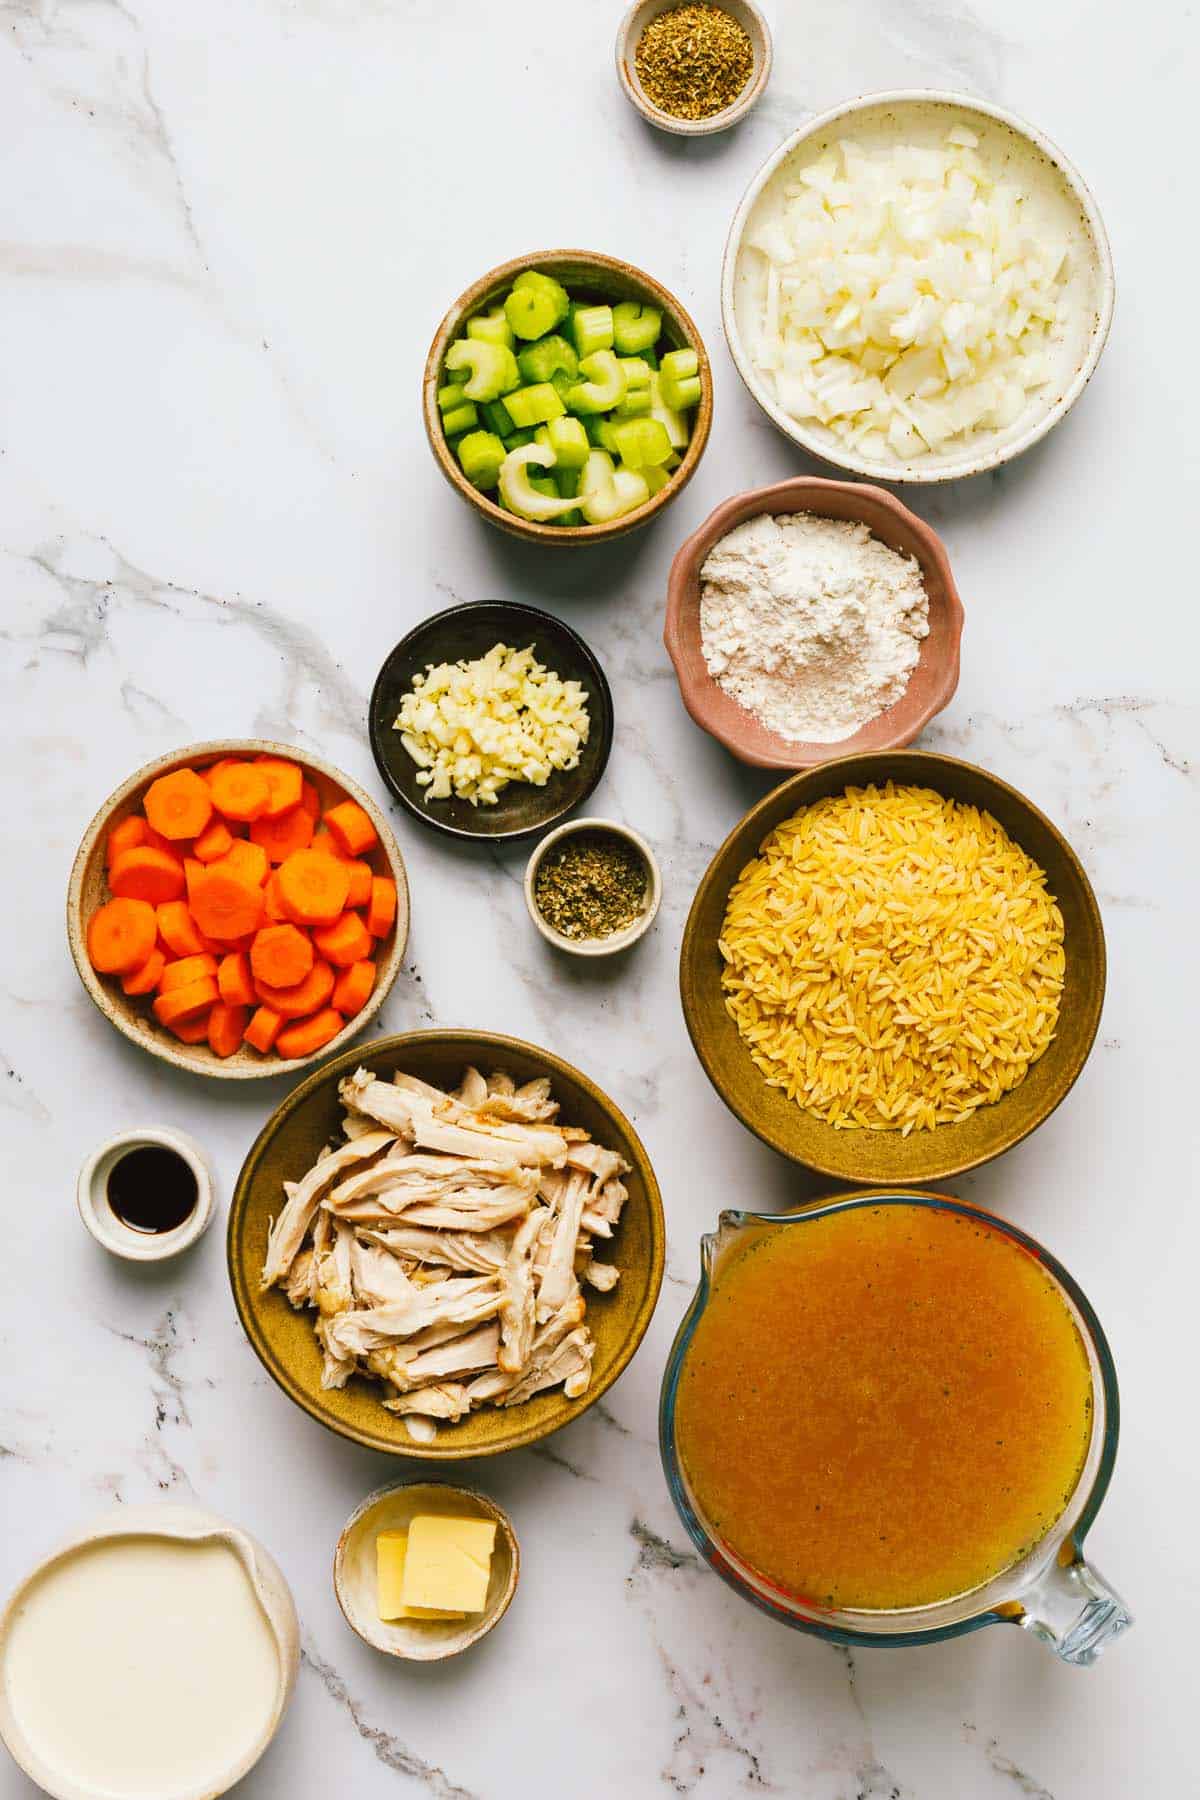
x,y
655,479
545,284
544,484
450,396
491,328
603,386
606,492
496,417
599,429
591,328
651,357
462,418
637,371
674,422
547,358
680,379
536,305
567,482
569,442
517,490
636,402
516,440
481,454
493,367
642,442
534,405
635,327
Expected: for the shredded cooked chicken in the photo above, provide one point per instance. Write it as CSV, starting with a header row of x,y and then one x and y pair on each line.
x,y
443,1245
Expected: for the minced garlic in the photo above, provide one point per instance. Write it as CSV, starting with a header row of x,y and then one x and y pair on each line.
x,y
472,727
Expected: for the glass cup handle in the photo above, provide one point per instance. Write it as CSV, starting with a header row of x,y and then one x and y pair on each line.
x,y
1073,1610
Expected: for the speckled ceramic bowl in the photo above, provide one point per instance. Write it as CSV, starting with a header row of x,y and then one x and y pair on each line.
x,y
88,889
886,1158
629,33
1061,202
355,1581
932,683
289,1143
584,273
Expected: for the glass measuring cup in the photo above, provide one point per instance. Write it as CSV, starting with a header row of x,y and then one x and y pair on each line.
x,y
1050,1592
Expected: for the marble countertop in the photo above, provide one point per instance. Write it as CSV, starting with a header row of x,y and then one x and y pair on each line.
x,y
226,234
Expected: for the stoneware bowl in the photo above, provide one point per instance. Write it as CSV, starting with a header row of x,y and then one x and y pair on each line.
x,y
289,1143
111,1232
885,1157
588,274
462,633
354,1574
629,35
620,940
164,1519
1060,202
932,683
88,889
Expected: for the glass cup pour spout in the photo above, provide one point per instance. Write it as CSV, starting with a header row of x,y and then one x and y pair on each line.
x,y
1052,1593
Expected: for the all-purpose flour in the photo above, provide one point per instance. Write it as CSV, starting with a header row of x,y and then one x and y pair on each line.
x,y
812,624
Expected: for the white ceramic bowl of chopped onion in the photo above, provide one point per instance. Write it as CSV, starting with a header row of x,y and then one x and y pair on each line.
x,y
917,286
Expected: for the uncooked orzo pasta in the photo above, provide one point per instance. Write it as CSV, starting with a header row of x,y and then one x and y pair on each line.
x,y
892,959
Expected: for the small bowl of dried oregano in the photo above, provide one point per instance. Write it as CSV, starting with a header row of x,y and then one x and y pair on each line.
x,y
593,887
693,68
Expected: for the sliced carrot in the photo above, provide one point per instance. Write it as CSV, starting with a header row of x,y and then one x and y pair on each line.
x,y
353,987
179,1004
145,979
225,905
233,979
351,827
381,913
278,837
306,996
286,784
177,929
310,800
191,868
263,1029
225,762
327,844
240,946
178,805
186,970
126,836
226,1028
361,877
145,873
313,887
344,942
239,790
249,861
215,840
121,934
192,1031
274,905
281,955
310,1034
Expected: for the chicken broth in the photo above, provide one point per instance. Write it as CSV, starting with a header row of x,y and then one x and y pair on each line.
x,y
883,1407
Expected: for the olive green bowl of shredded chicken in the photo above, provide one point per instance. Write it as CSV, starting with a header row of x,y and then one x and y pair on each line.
x,y
446,1244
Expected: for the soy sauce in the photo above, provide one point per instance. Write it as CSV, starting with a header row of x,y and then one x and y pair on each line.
x,y
152,1189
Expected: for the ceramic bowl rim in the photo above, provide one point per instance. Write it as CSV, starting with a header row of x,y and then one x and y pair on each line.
x,y
446,1448
1089,1003
471,298
487,1621
134,1246
620,940
986,459
734,113
700,696
539,618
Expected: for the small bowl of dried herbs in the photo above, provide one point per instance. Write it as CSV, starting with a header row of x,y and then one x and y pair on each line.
x,y
693,68
593,887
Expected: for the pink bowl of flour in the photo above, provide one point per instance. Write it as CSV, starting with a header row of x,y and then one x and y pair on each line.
x,y
930,685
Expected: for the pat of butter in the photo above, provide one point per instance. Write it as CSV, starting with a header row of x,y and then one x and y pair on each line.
x,y
391,1554
448,1563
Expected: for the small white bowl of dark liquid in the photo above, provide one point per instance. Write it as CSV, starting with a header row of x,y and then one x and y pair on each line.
x,y
146,1195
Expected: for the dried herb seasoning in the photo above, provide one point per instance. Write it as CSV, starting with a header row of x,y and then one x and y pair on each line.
x,y
693,61
590,885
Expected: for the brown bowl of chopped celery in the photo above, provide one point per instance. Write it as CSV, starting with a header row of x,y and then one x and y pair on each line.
x,y
567,397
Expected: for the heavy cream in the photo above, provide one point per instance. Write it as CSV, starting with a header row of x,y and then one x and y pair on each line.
x,y
143,1667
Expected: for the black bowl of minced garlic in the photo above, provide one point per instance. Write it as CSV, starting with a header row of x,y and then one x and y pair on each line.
x,y
592,887
693,68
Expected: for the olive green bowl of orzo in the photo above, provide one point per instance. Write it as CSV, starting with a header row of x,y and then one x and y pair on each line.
x,y
894,967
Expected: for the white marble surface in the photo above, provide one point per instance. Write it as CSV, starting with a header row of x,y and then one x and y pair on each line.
x,y
226,234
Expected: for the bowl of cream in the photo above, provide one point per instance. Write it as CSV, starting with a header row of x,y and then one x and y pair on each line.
x,y
150,1657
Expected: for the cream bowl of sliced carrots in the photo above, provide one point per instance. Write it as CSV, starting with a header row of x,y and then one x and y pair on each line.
x,y
238,909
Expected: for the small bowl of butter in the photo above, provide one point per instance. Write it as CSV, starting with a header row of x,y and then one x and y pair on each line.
x,y
425,1569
